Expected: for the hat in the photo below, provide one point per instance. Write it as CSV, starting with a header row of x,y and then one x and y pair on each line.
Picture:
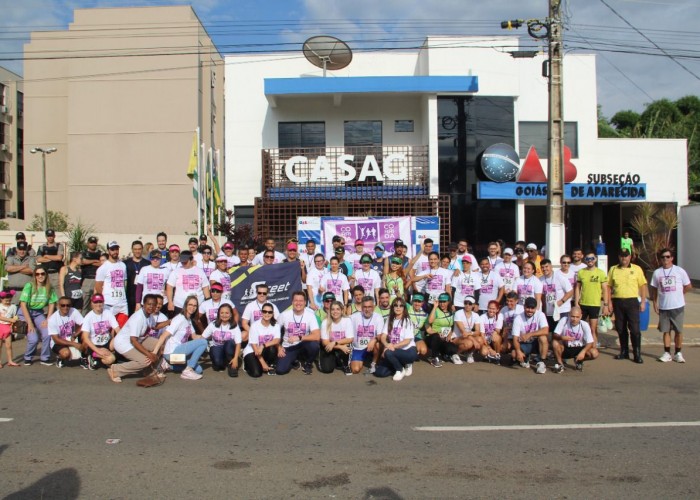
x,y
365,259
380,246
50,232
359,243
530,302
328,296
97,298
292,246
22,245
227,245
531,246
444,297
452,246
624,253
466,258
399,243
203,237
417,297
155,254
469,300
217,286
112,244
336,238
340,250
396,260
6,294
221,257
174,248
193,240
508,251
186,256
20,236
92,239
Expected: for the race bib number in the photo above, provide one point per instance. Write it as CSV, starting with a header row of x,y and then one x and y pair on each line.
x,y
76,294
117,293
445,331
668,284
364,335
101,329
551,297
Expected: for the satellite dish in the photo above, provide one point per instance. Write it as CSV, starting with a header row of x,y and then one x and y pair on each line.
x,y
327,52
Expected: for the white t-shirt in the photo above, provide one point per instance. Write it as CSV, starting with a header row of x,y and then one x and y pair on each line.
x,y
669,284
577,267
99,327
339,331
527,287
64,326
259,261
218,335
468,323
113,277
207,268
210,309
581,333
297,326
154,320
171,266
354,260
260,335
188,282
181,331
508,273
153,280
136,326
465,285
490,285
553,289
224,279
335,283
490,325
421,265
522,324
253,311
8,312
436,285
369,281
365,329
509,316
494,261
570,276
400,331
313,280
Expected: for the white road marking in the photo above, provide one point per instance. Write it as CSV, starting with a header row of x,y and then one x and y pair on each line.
x,y
6,419
619,425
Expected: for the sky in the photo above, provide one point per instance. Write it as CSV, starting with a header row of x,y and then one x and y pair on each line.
x,y
647,49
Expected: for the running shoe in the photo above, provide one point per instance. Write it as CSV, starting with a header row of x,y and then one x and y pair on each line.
x,y
347,371
579,366
678,358
398,376
27,362
308,368
435,362
541,368
84,364
558,368
296,365
59,363
525,364
46,362
457,360
408,371
372,368
470,358
189,374
666,357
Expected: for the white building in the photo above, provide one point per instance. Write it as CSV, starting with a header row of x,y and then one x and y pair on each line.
x,y
438,109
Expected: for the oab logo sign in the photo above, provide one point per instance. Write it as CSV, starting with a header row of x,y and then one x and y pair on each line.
x,y
501,163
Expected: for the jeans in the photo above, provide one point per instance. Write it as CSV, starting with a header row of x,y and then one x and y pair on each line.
x,y
531,348
221,355
308,350
193,350
37,318
395,361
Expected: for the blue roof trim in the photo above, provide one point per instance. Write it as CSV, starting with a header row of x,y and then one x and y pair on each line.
x,y
370,84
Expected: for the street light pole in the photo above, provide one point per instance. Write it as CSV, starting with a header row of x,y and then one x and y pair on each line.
x,y
44,152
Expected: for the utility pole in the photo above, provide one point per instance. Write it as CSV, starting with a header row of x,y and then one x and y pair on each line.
x,y
44,152
555,228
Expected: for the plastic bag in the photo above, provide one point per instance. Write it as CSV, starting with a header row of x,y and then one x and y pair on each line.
x,y
604,324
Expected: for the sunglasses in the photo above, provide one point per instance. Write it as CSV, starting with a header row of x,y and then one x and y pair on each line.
x,y
206,253
266,312
262,293
64,305
589,259
399,305
39,274
519,252
563,262
269,256
666,256
214,290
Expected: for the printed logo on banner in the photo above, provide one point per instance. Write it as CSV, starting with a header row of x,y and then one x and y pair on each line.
x,y
282,280
367,231
390,231
347,231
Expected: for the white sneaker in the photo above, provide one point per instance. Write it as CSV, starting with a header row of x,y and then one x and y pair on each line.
x,y
525,364
541,368
666,357
189,374
408,371
372,367
457,360
678,357
398,376
470,358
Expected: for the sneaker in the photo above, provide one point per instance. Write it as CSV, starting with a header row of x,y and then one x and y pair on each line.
x,y
372,368
347,371
541,368
666,357
46,362
678,358
470,358
457,360
398,376
296,365
308,368
27,362
579,366
558,368
92,363
272,372
163,366
232,372
189,374
84,364
436,362
525,364
59,363
492,358
408,371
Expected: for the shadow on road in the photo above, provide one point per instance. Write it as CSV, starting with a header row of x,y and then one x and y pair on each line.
x,y
63,484
383,493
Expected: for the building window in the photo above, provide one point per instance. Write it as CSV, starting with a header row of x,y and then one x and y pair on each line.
x,y
537,134
243,215
363,133
301,135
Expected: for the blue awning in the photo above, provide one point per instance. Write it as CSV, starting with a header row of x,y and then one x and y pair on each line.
x,y
370,84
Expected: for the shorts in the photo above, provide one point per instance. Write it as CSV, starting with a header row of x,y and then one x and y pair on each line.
x,y
671,319
360,355
531,348
571,352
5,331
57,348
590,312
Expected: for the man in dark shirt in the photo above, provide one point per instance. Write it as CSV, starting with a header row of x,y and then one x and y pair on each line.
x,y
20,237
50,256
89,263
134,264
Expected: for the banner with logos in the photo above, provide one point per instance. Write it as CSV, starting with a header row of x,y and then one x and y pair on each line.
x,y
282,280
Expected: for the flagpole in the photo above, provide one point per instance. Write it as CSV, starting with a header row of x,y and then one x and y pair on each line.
x,y
223,197
199,200
201,194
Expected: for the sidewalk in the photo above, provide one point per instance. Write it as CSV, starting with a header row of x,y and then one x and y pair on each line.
x,y
691,333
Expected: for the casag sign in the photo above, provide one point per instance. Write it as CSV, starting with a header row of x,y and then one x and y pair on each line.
x,y
324,170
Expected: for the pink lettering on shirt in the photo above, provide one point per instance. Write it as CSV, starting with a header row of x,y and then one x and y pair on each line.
x,y
116,277
395,335
190,282
155,281
65,330
221,336
366,284
337,335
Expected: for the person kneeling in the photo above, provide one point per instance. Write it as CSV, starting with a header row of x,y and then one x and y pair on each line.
x,y
399,345
64,329
573,338
224,338
336,339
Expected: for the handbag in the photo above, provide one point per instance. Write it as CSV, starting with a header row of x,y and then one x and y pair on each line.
x,y
19,329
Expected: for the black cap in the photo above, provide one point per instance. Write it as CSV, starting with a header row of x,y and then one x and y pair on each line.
x,y
328,296
203,237
20,236
337,238
22,245
155,254
50,232
193,240
92,239
398,243
340,250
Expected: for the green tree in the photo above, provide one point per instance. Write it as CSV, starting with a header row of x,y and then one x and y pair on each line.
x,y
4,226
58,221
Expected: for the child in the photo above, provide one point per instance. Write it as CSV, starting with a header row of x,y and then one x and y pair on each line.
x,y
8,315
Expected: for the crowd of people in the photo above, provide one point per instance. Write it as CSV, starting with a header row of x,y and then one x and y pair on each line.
x,y
164,309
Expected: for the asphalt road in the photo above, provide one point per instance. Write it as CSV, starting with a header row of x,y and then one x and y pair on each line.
x,y
332,436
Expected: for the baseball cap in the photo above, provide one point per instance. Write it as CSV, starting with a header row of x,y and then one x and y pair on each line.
x,y
22,245
530,302
365,259
186,256
328,296
396,260
508,251
203,237
417,297
112,244
174,248
155,254
292,246
92,239
444,297
20,236
340,250
469,299
228,245
359,243
466,258
336,238
221,257
217,286
379,245
97,298
193,240
531,246
398,243
50,232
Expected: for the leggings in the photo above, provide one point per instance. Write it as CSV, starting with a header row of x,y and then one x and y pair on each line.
x,y
252,365
329,361
440,346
